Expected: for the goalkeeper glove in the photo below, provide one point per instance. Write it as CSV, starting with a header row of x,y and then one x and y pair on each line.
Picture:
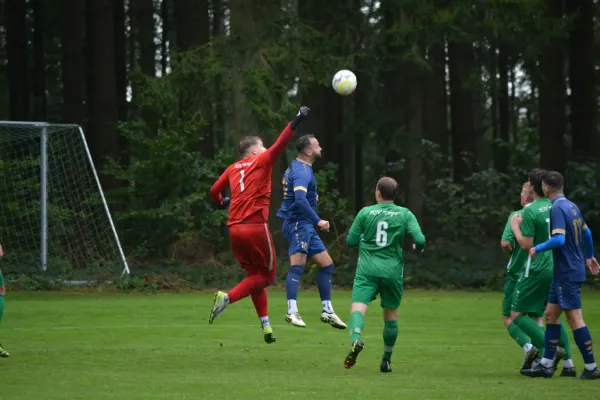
x,y
301,116
223,204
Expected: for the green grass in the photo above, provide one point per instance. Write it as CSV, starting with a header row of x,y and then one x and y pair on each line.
x,y
118,346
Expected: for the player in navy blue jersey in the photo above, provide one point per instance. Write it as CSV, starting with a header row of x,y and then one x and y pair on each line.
x,y
299,212
568,233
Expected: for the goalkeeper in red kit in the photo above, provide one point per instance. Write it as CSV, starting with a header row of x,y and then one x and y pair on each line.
x,y
250,182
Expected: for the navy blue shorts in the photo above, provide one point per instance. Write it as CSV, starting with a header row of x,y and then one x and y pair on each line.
x,y
566,294
302,238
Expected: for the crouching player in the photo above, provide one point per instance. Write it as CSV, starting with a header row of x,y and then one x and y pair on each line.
x,y
379,232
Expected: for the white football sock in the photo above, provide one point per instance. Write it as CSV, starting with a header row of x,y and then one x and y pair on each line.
x,y
292,307
568,363
590,367
327,307
264,321
547,362
527,347
226,299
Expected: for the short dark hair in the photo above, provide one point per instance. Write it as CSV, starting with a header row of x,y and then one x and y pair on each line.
x,y
554,180
246,142
387,187
303,142
535,178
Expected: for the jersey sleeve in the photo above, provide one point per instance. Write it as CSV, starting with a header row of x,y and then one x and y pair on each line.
x,y
269,156
528,223
357,229
220,185
508,235
414,229
558,224
300,181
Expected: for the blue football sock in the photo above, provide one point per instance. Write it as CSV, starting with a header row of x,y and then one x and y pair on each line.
x,y
324,282
292,282
584,342
552,337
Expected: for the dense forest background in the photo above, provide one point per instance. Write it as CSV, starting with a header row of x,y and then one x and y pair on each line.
x,y
456,99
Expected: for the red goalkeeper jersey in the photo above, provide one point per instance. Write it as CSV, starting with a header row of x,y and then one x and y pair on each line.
x,y
250,182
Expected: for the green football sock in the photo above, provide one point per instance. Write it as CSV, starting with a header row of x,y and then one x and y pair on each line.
x,y
356,325
518,335
390,334
564,340
1,306
531,328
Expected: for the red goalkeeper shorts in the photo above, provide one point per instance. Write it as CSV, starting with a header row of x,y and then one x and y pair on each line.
x,y
252,245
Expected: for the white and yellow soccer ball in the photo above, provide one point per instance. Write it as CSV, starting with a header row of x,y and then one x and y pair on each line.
x,y
344,82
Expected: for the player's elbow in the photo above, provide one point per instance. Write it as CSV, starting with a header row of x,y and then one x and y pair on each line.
x,y
352,241
506,246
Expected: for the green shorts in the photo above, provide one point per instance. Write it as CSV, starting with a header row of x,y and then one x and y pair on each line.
x,y
366,288
509,293
1,278
531,295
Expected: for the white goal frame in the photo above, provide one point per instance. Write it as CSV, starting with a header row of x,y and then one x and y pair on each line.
x,y
43,127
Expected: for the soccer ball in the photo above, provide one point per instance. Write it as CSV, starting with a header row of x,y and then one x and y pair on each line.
x,y
344,82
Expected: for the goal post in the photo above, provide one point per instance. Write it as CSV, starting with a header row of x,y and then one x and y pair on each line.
x,y
52,207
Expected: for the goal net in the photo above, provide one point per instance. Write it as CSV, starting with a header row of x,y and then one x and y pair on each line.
x,y
53,213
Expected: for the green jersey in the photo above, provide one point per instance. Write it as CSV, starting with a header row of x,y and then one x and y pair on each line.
x,y
381,229
536,225
518,259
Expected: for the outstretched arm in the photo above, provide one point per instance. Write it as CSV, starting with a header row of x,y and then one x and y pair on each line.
x,y
557,234
269,156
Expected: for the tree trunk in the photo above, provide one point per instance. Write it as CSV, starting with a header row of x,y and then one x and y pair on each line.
x,y
581,77
493,72
552,99
218,109
464,144
144,23
164,40
103,110
193,25
121,73
72,26
39,64
193,31
16,52
436,99
415,156
503,156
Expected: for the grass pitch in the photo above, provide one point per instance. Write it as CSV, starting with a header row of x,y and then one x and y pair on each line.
x,y
120,346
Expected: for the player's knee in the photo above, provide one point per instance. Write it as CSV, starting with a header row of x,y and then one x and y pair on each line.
x,y
507,320
2,290
575,319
